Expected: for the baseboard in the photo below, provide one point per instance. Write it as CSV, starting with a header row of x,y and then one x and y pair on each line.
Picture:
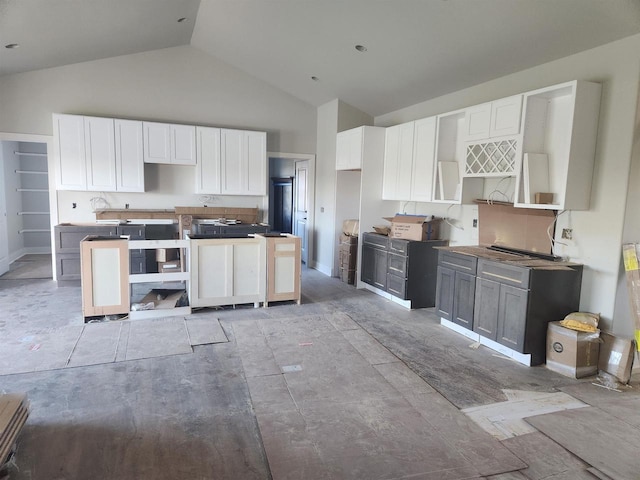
x,y
322,269
37,250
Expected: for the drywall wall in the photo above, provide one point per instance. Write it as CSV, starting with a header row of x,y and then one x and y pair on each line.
x,y
322,234
598,231
333,117
181,85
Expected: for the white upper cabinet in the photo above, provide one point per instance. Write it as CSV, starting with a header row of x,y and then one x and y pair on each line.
x,y
71,166
398,162
424,146
183,144
168,143
208,160
493,119
99,141
560,126
129,156
243,158
98,154
349,149
408,161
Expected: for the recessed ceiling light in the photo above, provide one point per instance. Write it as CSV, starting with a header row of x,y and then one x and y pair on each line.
x,y
361,48
12,45
180,20
315,79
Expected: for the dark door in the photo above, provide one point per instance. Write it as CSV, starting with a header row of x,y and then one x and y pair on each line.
x,y
282,204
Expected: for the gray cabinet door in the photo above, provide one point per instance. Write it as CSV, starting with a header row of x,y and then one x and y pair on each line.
x,y
374,266
463,299
512,317
444,293
485,315
368,269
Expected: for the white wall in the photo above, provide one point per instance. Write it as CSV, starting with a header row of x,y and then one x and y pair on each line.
x,y
182,85
333,117
597,232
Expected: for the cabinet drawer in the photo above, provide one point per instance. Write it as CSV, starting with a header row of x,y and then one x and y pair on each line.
x,y
398,245
68,237
457,261
397,286
376,240
397,265
504,273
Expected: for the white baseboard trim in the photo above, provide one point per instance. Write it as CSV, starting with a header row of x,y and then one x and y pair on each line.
x,y
524,359
461,330
322,269
403,303
26,251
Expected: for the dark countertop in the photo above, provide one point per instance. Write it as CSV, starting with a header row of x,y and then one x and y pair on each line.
x,y
509,258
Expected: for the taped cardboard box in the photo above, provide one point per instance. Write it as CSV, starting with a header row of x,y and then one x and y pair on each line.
x,y
414,227
167,254
351,227
169,267
348,276
348,239
616,356
572,353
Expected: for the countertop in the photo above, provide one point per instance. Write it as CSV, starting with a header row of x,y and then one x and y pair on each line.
x,y
510,258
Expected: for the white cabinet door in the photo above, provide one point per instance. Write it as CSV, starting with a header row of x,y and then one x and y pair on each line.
x,y
183,144
129,156
349,149
398,162
231,152
505,116
68,134
256,169
424,150
244,162
494,119
157,142
477,122
208,160
99,142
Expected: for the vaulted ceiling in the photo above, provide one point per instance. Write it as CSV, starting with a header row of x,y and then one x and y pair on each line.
x,y
415,49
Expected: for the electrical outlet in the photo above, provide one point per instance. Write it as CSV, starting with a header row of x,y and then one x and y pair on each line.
x,y
475,223
567,233
74,205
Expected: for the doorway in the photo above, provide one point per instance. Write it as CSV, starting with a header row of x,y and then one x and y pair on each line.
x,y
26,193
282,204
298,169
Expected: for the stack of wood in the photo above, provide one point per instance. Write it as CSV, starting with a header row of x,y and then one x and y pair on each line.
x,y
14,410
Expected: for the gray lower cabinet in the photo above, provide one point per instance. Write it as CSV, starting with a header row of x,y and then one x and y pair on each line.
x,y
404,268
67,247
374,266
514,304
230,230
456,288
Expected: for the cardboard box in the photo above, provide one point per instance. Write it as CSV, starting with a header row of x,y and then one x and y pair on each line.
x,y
572,353
543,198
616,356
167,254
348,258
169,267
348,276
414,227
348,239
351,227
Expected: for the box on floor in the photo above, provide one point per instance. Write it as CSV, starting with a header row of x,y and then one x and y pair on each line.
x,y
572,353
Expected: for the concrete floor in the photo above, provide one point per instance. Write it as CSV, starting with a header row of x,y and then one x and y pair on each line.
x,y
372,391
